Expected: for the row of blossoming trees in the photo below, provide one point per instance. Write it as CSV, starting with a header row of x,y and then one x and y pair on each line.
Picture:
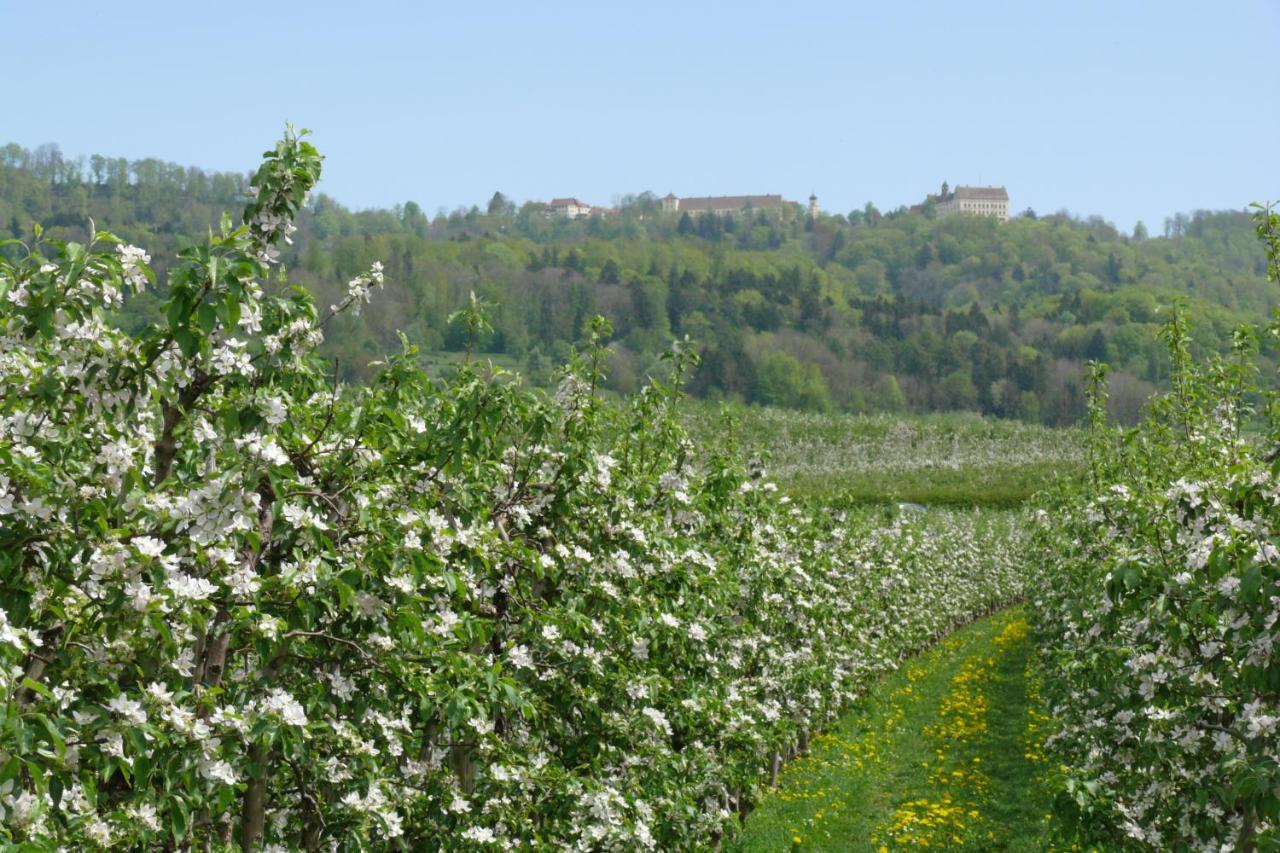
x,y
1158,607
243,606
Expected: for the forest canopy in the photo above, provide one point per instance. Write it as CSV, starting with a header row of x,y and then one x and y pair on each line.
x,y
865,311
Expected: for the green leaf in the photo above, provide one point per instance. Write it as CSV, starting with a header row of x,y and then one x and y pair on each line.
x,y
206,317
1130,577
1250,584
249,418
233,309
36,687
179,819
49,388
187,342
176,313
44,320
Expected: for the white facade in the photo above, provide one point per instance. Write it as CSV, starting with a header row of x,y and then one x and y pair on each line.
x,y
569,207
974,201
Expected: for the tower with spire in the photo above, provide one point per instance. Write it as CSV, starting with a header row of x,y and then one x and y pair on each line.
x,y
813,205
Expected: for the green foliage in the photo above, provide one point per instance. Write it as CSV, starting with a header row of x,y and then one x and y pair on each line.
x,y
1018,307
1157,608
781,380
242,603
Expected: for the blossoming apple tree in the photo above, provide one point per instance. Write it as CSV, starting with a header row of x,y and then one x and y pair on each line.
x,y
241,605
1157,603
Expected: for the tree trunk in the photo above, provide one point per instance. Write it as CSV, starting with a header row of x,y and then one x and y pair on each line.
x,y
216,659
464,767
253,818
312,832
36,667
429,730
1245,843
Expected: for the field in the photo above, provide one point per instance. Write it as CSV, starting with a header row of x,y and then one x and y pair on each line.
x,y
959,459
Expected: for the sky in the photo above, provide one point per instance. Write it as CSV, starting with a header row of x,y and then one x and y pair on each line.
x,y
1127,110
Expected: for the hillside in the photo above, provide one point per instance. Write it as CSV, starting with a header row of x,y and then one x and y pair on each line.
x,y
860,313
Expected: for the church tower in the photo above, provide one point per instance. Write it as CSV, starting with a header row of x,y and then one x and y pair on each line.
x,y
813,206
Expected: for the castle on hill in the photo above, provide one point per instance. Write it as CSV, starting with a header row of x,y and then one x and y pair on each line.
x,y
975,201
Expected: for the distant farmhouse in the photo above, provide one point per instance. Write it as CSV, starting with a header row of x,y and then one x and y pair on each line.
x,y
975,201
722,204
573,208
570,207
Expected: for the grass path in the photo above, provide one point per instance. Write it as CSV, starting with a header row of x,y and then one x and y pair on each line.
x,y
942,754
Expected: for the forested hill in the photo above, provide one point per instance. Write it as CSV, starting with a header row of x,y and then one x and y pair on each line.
x,y
859,312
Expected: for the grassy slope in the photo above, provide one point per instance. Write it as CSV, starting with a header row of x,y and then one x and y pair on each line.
x,y
939,754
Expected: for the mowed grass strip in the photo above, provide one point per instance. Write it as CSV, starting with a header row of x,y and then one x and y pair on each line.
x,y
942,754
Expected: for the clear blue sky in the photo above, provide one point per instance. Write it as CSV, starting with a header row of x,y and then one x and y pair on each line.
x,y
1129,110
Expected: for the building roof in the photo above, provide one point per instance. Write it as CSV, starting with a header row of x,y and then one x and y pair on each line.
x,y
981,193
567,202
730,202
669,197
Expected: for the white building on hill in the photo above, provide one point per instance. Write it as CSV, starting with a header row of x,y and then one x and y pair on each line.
x,y
975,201
570,207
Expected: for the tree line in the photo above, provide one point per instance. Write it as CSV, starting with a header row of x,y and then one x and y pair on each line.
x,y
864,311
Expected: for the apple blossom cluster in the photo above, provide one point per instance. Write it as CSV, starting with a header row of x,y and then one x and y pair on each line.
x,y
360,289
241,605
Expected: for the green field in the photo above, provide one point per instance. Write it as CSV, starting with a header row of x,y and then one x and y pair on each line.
x,y
959,459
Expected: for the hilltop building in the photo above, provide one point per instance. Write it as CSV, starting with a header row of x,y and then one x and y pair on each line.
x,y
721,204
569,207
975,201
